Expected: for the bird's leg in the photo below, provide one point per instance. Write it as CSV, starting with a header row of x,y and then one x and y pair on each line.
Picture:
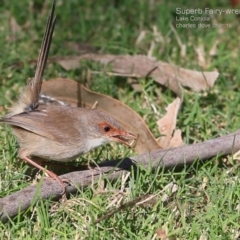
x,y
49,173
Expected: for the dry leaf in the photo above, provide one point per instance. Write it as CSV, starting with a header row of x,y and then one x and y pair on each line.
x,y
134,84
80,47
176,140
143,66
77,95
162,234
14,26
167,125
236,156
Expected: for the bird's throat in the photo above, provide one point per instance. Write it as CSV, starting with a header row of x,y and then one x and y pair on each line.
x,y
94,142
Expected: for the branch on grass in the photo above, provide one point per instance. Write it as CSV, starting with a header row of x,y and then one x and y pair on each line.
x,y
49,189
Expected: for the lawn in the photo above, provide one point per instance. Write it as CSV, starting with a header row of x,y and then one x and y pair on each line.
x,y
200,201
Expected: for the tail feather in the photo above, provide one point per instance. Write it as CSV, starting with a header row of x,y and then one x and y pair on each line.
x,y
28,99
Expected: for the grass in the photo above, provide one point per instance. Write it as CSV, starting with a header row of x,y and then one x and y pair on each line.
x,y
204,200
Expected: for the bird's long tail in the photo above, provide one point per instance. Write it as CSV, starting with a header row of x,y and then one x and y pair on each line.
x,y
29,97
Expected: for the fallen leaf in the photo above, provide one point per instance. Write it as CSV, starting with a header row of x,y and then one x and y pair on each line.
x,y
77,95
81,48
142,66
236,156
167,124
14,26
134,84
176,140
162,234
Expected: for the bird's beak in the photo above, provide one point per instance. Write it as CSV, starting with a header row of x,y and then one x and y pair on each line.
x,y
126,138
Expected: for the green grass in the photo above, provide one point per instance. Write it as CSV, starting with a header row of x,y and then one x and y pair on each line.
x,y
205,203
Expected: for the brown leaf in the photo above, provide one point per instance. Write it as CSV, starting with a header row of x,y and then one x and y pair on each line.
x,y
143,66
77,95
67,63
162,234
167,125
134,84
80,48
14,26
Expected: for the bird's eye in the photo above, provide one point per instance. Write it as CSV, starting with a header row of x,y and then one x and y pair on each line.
x,y
106,128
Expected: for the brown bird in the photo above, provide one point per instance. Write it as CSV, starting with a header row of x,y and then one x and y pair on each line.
x,y
60,133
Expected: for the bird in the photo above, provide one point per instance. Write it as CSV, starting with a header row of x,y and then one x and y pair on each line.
x,y
58,132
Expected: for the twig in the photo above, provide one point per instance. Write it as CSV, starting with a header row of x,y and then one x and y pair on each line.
x,y
122,207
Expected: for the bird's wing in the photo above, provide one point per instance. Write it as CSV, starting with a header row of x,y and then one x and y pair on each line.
x,y
53,123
